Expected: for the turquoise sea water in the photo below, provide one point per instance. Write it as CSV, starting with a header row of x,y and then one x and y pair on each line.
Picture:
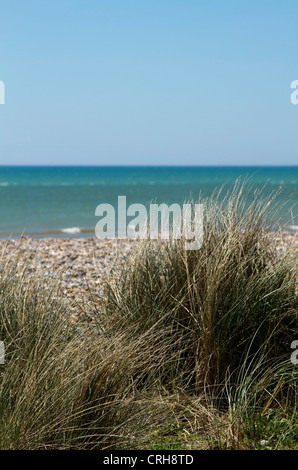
x,y
61,201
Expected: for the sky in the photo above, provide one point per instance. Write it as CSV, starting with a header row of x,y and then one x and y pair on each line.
x,y
151,82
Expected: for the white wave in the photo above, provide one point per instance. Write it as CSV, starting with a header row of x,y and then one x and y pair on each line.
x,y
4,183
293,227
71,230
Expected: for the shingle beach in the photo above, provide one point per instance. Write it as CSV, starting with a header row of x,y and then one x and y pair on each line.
x,y
80,265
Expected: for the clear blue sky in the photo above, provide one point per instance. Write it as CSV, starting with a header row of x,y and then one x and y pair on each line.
x,y
182,82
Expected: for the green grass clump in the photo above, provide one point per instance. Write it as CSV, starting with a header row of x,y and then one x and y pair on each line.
x,y
62,386
232,302
218,321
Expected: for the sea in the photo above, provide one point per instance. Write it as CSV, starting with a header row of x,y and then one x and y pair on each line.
x,y
60,201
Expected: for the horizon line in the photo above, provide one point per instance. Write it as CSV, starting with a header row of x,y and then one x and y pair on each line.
x,y
81,165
